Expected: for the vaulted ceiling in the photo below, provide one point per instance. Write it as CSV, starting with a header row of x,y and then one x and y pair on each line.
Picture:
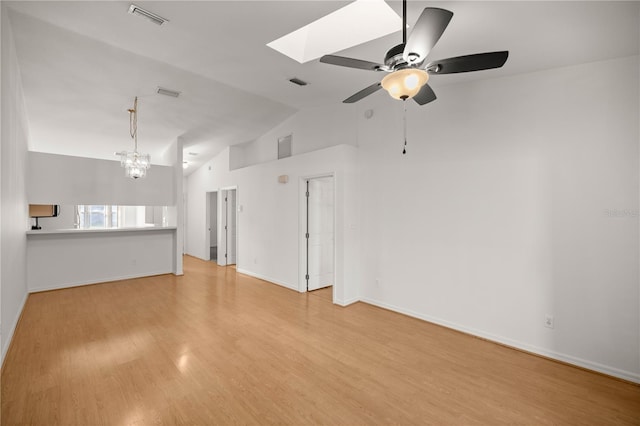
x,y
82,63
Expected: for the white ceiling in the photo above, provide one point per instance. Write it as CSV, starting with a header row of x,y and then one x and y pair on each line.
x,y
82,63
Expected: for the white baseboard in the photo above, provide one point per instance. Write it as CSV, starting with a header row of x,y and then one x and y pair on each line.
x,y
265,278
292,287
590,365
12,330
347,302
96,281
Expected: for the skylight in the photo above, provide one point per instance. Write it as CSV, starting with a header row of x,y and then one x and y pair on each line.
x,y
356,23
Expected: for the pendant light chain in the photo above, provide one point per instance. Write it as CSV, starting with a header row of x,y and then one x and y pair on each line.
x,y
134,163
133,123
404,123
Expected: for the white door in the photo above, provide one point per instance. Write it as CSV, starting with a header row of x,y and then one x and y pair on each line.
x,y
222,236
320,233
212,225
231,227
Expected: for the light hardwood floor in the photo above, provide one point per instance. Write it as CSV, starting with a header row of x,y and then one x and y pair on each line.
x,y
326,293
217,347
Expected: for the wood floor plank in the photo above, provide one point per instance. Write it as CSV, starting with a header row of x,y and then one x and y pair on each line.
x,y
218,347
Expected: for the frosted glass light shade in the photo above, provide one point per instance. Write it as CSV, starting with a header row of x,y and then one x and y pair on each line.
x,y
406,83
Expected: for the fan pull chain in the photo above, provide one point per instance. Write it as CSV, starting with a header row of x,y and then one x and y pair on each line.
x,y
404,122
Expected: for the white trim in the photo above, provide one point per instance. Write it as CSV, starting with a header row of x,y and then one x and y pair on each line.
x,y
268,279
345,303
195,256
590,365
98,281
207,223
5,349
220,261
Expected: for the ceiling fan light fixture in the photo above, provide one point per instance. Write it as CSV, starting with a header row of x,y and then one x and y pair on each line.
x,y
405,83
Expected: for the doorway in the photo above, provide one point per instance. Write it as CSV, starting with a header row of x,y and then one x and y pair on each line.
x,y
319,233
227,252
211,238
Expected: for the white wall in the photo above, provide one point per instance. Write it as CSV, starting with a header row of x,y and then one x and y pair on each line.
x,y
183,194
312,129
177,189
269,223
63,179
13,210
518,198
65,219
79,258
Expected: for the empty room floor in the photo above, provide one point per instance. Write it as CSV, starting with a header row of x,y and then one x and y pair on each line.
x,y
218,347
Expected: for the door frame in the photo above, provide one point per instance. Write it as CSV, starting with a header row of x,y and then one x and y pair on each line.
x,y
208,224
222,261
302,229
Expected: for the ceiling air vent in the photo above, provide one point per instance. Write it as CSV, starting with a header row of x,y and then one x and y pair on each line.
x,y
296,80
167,92
156,19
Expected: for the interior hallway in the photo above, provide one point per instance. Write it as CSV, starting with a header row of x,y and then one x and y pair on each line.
x,y
218,347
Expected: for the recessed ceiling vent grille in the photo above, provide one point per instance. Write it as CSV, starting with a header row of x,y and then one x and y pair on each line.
x,y
168,92
296,80
156,19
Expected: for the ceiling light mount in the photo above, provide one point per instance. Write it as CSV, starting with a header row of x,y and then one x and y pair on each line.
x,y
156,19
413,57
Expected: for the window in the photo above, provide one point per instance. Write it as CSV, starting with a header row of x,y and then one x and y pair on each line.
x,y
97,216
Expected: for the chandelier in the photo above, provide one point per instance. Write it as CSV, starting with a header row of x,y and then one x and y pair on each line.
x,y
134,163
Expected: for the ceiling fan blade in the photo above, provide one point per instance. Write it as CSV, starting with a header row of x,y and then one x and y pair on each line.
x,y
477,62
351,63
425,95
426,33
363,93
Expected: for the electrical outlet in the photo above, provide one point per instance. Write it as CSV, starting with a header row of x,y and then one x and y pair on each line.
x,y
548,321
255,260
377,282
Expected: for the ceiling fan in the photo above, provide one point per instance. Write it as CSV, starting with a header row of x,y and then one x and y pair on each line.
x,y
406,63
